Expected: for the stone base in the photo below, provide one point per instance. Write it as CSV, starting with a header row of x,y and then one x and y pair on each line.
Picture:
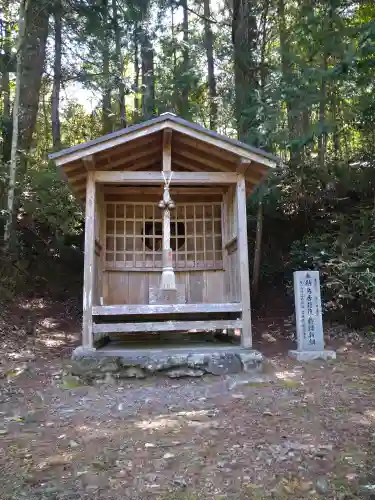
x,y
171,362
311,355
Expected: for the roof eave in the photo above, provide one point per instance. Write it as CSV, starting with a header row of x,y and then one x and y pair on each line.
x,y
156,124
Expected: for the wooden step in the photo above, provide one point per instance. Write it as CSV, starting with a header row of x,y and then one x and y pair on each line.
x,y
142,309
165,326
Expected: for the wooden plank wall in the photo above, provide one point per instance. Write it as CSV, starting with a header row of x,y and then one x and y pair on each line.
x,y
230,252
127,287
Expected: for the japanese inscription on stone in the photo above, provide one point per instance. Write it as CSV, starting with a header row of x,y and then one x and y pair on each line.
x,y
308,305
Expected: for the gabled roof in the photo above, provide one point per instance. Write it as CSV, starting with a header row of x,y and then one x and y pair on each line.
x,y
139,147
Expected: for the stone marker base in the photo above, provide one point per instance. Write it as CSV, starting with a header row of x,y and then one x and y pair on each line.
x,y
91,364
311,355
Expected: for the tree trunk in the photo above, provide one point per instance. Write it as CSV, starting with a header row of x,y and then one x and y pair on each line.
x,y
5,84
210,65
258,250
107,98
244,35
33,52
148,79
136,75
8,231
175,92
322,142
264,73
55,102
185,61
119,64
287,78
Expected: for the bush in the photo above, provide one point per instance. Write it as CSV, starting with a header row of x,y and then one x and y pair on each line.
x,y
347,277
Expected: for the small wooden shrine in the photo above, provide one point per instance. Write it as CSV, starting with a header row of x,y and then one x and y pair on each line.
x,y
166,244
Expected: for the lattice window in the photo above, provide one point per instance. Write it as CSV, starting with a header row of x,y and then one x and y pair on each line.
x,y
134,236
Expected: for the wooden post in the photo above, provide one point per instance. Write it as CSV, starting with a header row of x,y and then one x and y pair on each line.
x,y
243,260
88,277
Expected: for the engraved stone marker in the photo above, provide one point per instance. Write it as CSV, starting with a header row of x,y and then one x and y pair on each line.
x,y
309,322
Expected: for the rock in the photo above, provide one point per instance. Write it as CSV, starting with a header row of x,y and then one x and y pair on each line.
x,y
342,350
149,445
132,372
180,481
90,367
3,432
267,413
184,372
238,396
322,486
367,491
70,382
222,364
162,364
108,379
268,337
168,455
251,361
57,460
196,360
108,366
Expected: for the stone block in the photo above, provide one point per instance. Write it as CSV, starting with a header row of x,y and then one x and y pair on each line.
x,y
251,361
185,372
83,352
196,360
222,364
132,372
311,355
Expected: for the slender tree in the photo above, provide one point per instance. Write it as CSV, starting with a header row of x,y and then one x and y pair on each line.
x,y
7,62
16,119
107,94
56,88
148,77
184,109
210,65
119,63
245,35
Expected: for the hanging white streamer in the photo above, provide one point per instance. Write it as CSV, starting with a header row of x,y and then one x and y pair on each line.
x,y
167,182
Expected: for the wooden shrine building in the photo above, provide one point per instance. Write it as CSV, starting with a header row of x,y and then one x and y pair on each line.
x,y
165,236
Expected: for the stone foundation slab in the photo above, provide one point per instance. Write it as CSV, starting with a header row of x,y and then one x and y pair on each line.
x,y
91,364
311,355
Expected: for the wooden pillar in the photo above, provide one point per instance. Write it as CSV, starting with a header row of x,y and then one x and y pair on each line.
x,y
243,261
89,260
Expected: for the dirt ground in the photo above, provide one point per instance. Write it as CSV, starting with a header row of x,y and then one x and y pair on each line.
x,y
302,431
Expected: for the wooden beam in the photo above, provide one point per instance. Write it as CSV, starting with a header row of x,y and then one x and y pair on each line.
x,y
193,178
139,165
219,143
128,160
89,162
243,264
202,147
243,165
76,179
166,326
89,260
186,152
186,165
111,143
166,309
167,150
133,190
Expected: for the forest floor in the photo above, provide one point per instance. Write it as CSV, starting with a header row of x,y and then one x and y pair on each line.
x,y
306,431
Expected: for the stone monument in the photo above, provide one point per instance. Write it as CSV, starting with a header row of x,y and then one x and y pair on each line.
x,y
309,321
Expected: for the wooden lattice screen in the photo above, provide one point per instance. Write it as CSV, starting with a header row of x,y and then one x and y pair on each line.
x,y
134,236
